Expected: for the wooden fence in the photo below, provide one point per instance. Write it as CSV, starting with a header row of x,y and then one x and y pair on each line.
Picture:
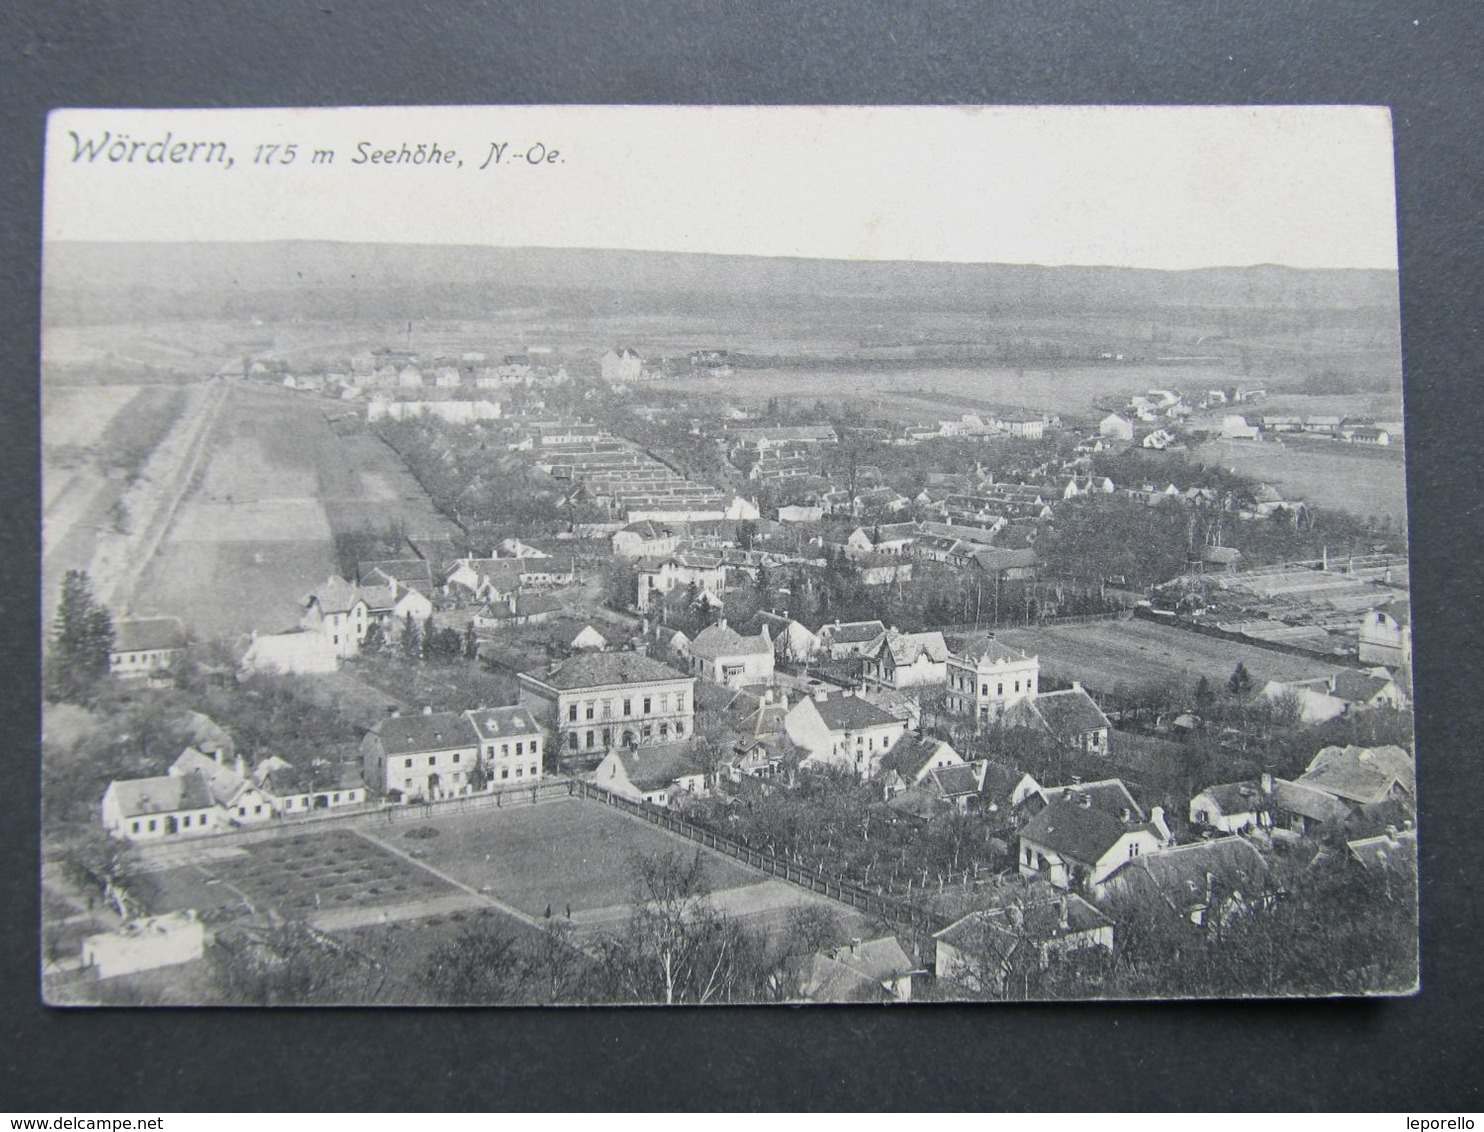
x,y
888,908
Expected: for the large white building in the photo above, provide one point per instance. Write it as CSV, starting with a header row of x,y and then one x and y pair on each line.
x,y
446,754
595,702
985,682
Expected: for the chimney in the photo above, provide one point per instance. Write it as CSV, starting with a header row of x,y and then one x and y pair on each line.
x,y
427,709
1068,794
721,622
1124,815
821,694
1076,685
1266,783
1391,833
1061,911
217,756
1085,800
241,767
854,943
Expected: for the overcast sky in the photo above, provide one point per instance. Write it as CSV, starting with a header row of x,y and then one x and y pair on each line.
x,y
1143,187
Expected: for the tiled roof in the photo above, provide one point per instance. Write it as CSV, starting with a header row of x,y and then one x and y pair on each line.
x,y
1361,774
657,766
1076,832
1308,801
954,781
145,634
1236,797
1358,687
852,632
910,754
333,595
994,559
1389,853
1001,930
716,641
502,722
905,648
1070,713
596,670
857,972
425,731
1180,874
414,573
851,713
166,794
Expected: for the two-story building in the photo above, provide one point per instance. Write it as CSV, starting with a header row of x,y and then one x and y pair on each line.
x,y
338,613
1386,635
443,754
909,660
843,731
595,702
984,682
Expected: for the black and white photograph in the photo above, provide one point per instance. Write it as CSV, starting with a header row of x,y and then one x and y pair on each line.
x,y
616,555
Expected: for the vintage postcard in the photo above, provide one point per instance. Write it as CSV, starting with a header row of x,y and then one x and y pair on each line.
x,y
708,555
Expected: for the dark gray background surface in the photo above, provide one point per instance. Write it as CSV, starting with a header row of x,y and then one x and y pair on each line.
x,y
1422,59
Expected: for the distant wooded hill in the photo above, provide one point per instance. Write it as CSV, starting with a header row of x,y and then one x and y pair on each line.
x,y
123,282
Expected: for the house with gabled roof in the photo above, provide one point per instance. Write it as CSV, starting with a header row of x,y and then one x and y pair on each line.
x,y
1071,717
912,759
1232,807
337,611
645,539
411,573
1204,882
874,970
843,640
793,641
241,799
161,808
519,609
1363,776
909,660
843,731
724,656
1362,690
981,950
660,774
1385,635
1071,844
145,646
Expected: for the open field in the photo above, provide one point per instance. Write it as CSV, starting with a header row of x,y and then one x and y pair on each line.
x,y
557,853
1363,482
1104,654
257,532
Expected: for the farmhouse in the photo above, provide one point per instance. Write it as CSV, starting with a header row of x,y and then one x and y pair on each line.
x,y
145,646
160,808
912,759
1115,426
1375,689
645,540
1206,882
792,640
1231,807
595,702
1237,428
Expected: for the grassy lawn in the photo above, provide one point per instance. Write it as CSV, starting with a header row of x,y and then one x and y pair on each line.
x,y
555,853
